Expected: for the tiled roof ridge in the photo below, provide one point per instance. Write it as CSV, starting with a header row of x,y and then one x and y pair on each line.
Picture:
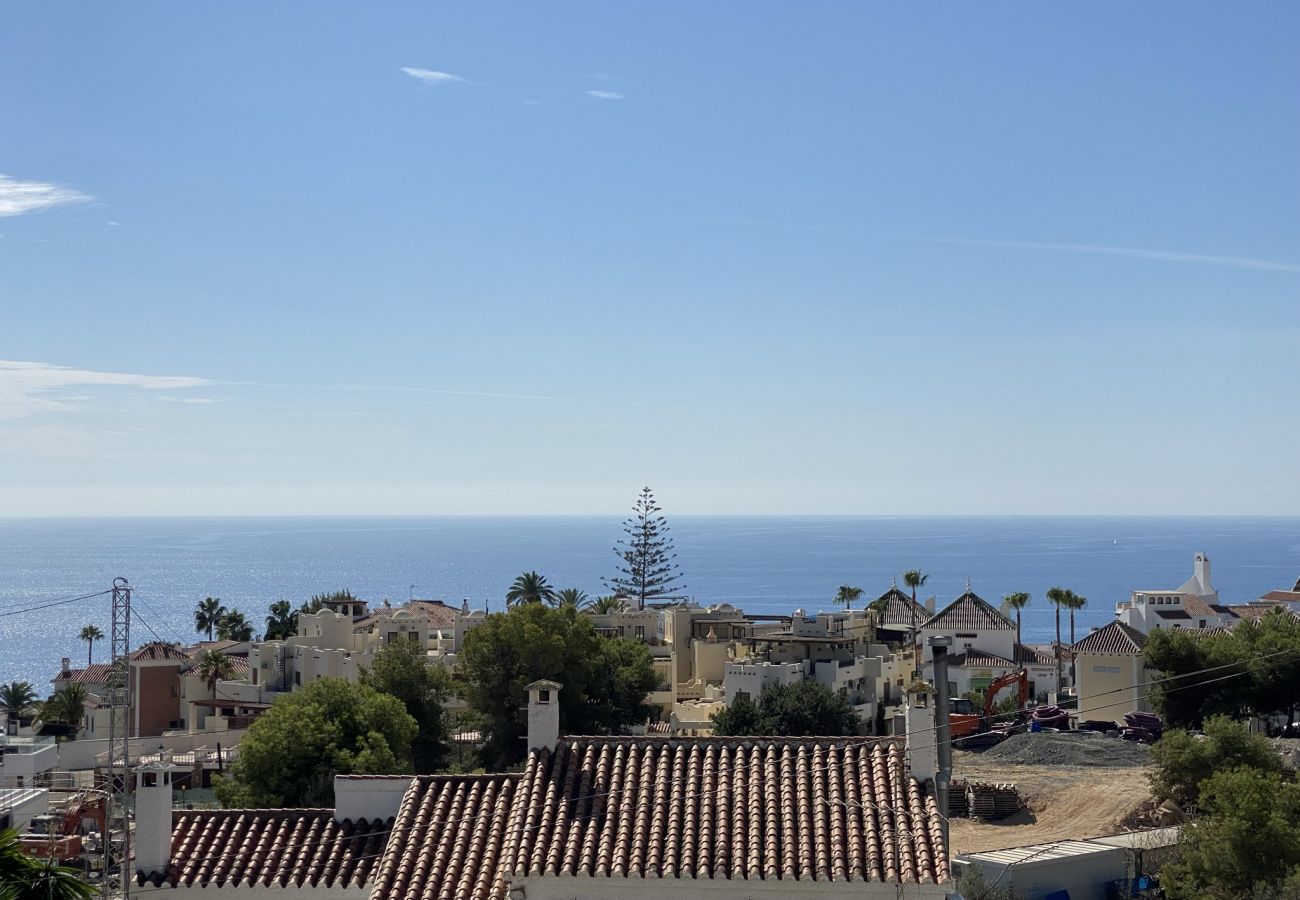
x,y
733,738
992,618
1111,638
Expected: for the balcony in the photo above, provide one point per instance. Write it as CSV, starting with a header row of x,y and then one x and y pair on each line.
x,y
25,757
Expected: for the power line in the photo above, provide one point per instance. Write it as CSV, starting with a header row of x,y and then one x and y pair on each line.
x,y
52,603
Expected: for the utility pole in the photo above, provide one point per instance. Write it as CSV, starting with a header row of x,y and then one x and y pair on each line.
x,y
943,776
117,848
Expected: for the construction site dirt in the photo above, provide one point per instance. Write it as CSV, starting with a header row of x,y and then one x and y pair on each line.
x,y
1060,800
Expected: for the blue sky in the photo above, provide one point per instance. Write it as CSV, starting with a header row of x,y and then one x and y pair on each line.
x,y
767,258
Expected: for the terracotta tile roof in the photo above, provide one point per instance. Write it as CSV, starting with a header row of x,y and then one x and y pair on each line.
x,y
1113,638
974,657
1212,631
450,832
1028,654
770,809
155,650
1251,612
248,847
436,613
898,608
1198,608
1282,597
239,664
218,645
96,674
970,613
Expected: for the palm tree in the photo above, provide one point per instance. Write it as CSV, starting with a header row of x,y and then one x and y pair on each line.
x,y
67,705
206,615
847,594
281,622
915,578
1017,601
572,597
234,626
608,604
213,666
530,588
24,877
15,697
1057,596
90,634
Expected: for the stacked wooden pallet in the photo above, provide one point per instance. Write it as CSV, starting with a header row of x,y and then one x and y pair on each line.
x,y
957,806
985,800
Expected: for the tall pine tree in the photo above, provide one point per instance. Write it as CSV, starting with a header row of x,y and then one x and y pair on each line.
x,y
647,569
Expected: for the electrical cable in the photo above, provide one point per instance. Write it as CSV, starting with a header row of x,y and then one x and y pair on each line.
x,y
52,603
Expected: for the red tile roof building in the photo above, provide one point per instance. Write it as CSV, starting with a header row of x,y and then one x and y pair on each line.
x,y
1115,637
301,848
736,809
969,612
598,816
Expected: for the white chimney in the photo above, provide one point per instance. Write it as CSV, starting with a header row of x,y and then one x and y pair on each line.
x,y
66,665
543,715
1201,568
153,817
922,741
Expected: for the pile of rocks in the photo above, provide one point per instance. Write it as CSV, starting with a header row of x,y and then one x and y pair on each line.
x,y
1047,748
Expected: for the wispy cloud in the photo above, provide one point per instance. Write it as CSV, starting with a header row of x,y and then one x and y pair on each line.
x,y
27,388
607,95
1205,259
441,392
1236,262
432,76
195,400
20,197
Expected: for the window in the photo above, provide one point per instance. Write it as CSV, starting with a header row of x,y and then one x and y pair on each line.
x,y
1106,670
543,696
640,632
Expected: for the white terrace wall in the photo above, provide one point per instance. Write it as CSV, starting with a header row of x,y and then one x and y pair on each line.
x,y
81,754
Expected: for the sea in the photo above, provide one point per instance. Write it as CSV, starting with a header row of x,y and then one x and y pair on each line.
x,y
761,564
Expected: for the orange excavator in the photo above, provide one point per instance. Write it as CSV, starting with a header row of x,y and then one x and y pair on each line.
x,y
964,722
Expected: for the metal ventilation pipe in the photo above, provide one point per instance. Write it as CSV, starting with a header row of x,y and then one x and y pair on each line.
x,y
943,734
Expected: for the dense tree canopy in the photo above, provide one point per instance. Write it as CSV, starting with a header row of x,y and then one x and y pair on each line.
x,y
1253,670
605,681
1183,761
402,670
1246,845
804,708
292,753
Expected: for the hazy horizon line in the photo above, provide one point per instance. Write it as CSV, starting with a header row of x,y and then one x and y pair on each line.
x,y
667,515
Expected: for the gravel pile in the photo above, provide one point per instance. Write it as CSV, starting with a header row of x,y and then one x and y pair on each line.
x,y
1082,749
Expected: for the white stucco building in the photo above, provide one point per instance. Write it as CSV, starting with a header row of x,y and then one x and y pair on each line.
x,y
1194,604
